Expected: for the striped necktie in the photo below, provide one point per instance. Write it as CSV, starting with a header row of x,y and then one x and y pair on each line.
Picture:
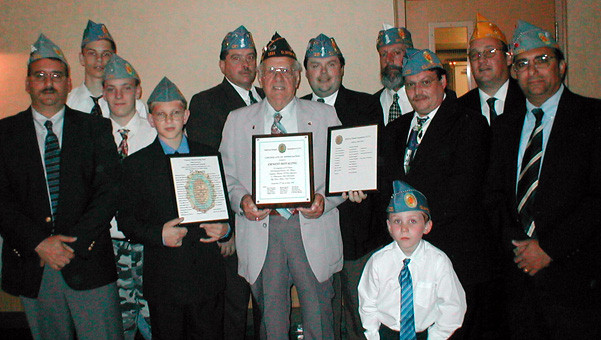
x,y
528,179
407,331
395,109
96,111
52,159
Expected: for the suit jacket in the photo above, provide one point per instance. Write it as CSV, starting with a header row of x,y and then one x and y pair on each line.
x,y
567,205
188,273
209,110
449,169
515,98
89,170
359,235
321,236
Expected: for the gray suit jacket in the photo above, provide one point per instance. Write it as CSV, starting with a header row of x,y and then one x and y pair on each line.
x,y
321,236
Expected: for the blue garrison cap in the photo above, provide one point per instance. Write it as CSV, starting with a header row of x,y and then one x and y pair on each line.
x,y
417,61
527,37
95,31
45,48
394,35
166,91
237,40
322,46
406,198
119,68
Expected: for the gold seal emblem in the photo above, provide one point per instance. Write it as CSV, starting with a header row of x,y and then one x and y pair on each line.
x,y
410,200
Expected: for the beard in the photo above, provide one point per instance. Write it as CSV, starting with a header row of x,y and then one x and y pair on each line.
x,y
392,77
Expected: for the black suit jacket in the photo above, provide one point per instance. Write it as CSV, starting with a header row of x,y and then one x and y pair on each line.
x,y
183,274
515,98
89,170
359,235
567,205
449,169
209,110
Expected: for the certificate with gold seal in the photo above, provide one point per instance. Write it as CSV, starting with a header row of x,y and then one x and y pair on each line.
x,y
283,170
352,159
200,189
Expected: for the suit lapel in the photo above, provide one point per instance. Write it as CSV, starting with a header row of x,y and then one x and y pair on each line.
x,y
439,126
232,100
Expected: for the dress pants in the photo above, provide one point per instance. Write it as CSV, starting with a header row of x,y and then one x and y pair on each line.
x,y
60,312
286,264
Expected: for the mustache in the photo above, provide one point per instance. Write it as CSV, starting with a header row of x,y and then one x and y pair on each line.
x,y
49,90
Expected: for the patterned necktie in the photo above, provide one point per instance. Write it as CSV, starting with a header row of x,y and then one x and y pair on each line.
x,y
414,139
407,331
123,148
395,109
277,128
252,98
321,100
528,180
491,105
96,111
52,159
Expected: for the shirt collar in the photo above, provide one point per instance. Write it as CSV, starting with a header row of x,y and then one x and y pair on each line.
x,y
243,93
417,253
549,107
182,149
41,119
501,93
330,100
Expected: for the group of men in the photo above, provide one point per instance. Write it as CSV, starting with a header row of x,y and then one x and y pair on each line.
x,y
519,224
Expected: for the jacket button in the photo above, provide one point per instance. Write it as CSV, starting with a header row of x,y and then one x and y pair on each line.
x,y
264,225
48,219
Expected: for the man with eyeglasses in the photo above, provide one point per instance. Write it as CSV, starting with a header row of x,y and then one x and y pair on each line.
x,y
59,176
208,111
278,248
545,192
131,132
497,93
441,150
392,44
97,48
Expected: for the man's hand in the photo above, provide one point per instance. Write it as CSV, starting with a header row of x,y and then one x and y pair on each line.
x,y
228,248
54,252
215,231
172,234
251,211
316,208
354,196
529,256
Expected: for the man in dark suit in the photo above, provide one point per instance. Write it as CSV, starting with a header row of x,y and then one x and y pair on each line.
x,y
184,275
489,58
324,64
208,111
392,44
442,151
544,189
58,185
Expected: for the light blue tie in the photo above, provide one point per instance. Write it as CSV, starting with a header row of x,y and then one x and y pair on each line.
x,y
52,161
407,331
278,129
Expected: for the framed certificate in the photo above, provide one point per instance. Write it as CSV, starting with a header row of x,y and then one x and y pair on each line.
x,y
200,189
283,170
352,161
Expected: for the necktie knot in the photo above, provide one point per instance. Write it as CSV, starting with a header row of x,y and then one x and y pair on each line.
x,y
538,114
406,262
321,100
491,101
123,133
48,125
395,97
96,110
252,98
421,121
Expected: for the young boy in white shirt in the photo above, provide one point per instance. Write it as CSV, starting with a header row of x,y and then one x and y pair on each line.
x,y
409,289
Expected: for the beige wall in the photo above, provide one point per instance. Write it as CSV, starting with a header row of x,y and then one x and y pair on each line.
x,y
181,39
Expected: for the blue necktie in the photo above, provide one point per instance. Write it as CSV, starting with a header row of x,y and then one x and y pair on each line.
x,y
407,331
52,159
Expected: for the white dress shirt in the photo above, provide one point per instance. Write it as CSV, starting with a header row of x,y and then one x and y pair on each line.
x,y
289,117
438,297
330,100
499,103
244,93
79,99
386,102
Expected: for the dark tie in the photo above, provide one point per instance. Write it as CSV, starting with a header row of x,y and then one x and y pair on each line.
x,y
277,128
414,137
528,179
52,159
252,98
123,148
407,331
395,109
321,100
491,105
96,111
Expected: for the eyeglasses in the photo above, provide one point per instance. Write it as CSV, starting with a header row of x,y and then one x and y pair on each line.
x,y
475,55
540,62
284,71
55,77
426,83
175,115
94,54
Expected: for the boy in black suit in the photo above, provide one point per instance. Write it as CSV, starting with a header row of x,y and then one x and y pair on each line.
x,y
184,272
